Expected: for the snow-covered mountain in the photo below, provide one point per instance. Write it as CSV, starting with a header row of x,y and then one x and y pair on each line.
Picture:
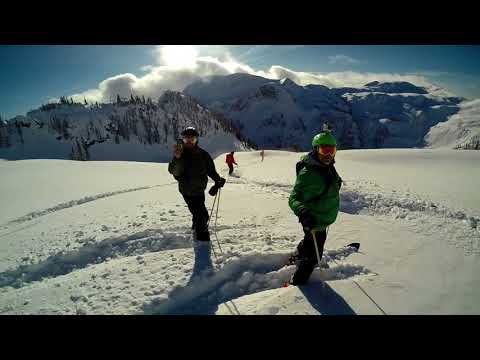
x,y
461,131
133,130
276,114
280,113
238,111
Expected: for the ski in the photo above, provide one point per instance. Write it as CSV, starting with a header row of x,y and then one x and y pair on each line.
x,y
293,257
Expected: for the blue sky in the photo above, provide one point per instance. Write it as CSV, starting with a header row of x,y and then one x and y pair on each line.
x,y
32,75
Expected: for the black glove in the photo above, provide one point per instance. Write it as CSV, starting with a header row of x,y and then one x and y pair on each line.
x,y
306,219
213,190
220,183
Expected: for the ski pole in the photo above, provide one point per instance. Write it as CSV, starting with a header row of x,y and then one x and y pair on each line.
x,y
211,211
215,225
316,246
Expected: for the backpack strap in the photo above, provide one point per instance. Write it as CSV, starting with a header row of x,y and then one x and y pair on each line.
x,y
299,166
340,180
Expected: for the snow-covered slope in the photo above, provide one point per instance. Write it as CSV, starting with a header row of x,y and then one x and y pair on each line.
x,y
136,130
281,114
114,238
461,131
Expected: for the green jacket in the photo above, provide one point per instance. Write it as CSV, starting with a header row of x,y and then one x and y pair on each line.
x,y
191,171
311,182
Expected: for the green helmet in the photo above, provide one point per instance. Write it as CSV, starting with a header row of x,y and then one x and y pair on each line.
x,y
324,138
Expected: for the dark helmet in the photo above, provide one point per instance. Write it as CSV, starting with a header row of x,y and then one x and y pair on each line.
x,y
190,131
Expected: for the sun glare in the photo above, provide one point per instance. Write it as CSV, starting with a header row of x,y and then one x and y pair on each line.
x,y
179,56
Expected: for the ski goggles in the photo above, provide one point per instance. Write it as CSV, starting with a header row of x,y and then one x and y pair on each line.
x,y
327,150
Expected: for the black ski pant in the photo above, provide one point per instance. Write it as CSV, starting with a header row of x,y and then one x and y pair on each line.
x,y
307,256
230,169
196,205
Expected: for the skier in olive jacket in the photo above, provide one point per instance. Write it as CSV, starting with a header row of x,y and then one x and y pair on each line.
x,y
190,166
315,199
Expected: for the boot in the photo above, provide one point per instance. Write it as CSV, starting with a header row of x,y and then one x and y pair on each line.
x,y
292,260
302,273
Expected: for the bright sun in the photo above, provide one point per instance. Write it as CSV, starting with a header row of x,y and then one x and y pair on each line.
x,y
179,56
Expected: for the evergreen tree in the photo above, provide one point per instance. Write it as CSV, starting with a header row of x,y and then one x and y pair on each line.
x,y
2,136
85,150
79,151
156,135
64,128
165,129
19,131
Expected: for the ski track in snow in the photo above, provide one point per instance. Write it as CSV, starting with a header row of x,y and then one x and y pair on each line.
x,y
93,253
460,229
235,274
81,201
239,270
136,244
239,276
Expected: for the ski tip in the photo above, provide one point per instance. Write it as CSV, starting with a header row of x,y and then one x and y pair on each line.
x,y
355,245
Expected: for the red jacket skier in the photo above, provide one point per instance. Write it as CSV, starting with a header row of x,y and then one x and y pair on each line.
x,y
230,161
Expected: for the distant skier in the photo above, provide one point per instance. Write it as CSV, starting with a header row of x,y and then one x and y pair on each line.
x,y
190,166
262,154
315,199
230,161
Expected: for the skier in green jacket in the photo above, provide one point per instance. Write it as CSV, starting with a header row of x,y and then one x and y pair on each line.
x,y
315,199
